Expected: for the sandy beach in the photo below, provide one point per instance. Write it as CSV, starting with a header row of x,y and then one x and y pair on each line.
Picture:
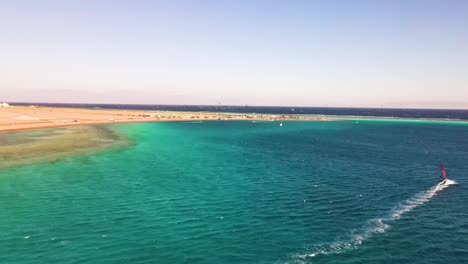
x,y
31,117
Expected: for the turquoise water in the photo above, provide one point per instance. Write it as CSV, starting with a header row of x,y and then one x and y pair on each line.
x,y
246,192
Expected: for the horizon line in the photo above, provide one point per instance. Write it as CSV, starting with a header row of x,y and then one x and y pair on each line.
x,y
246,106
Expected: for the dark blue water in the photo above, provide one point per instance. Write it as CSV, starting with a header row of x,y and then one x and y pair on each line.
x,y
381,112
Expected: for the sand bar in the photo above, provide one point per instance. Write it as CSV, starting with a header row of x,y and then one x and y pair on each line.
x,y
32,117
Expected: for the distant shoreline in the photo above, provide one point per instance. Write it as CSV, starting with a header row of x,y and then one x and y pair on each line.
x,y
138,106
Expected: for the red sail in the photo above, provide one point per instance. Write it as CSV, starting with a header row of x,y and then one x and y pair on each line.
x,y
442,170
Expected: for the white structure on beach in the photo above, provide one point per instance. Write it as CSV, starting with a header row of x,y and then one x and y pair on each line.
x,y
4,105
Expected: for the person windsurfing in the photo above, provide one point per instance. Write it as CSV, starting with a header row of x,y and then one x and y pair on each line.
x,y
443,174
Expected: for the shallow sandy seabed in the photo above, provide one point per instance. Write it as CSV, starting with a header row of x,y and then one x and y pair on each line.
x,y
46,145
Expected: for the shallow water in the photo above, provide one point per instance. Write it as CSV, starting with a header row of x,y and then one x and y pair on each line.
x,y
52,144
246,192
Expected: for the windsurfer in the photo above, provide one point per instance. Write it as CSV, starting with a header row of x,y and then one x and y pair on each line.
x,y
442,179
443,174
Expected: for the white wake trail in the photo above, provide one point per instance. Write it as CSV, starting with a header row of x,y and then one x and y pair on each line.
x,y
375,226
419,199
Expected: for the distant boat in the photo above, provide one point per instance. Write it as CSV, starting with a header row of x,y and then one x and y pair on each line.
x,y
443,173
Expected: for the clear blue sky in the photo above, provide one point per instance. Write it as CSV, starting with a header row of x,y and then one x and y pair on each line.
x,y
311,53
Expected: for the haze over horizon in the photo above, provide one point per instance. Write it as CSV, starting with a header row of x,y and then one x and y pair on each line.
x,y
407,54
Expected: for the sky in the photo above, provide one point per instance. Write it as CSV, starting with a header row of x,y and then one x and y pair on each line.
x,y
297,53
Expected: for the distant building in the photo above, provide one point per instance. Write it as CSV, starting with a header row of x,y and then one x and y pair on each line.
x,y
4,105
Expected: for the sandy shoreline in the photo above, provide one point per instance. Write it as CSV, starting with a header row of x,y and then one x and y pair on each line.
x,y
31,117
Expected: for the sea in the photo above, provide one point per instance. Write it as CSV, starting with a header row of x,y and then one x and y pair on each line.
x,y
461,114
355,190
